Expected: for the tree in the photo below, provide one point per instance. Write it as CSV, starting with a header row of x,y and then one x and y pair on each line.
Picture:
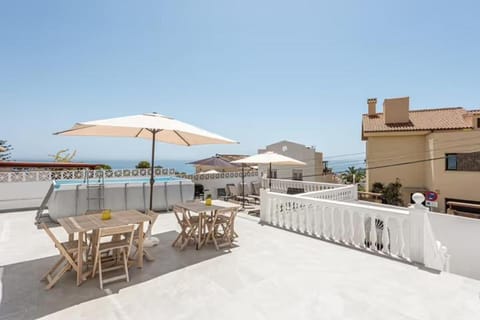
x,y
352,172
104,167
391,193
5,149
63,156
143,165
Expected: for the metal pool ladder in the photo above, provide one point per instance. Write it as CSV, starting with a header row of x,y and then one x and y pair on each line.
x,y
95,190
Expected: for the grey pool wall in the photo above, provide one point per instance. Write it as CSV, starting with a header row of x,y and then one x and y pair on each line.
x,y
69,200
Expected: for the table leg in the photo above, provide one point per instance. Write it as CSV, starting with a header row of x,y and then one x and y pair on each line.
x,y
200,230
141,236
80,258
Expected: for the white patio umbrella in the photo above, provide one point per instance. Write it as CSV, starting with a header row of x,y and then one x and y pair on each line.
x,y
152,126
268,157
209,172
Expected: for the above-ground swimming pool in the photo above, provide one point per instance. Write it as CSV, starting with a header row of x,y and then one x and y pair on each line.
x,y
69,197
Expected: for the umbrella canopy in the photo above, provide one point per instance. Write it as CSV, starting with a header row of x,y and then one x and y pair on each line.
x,y
214,162
209,172
168,130
270,158
148,126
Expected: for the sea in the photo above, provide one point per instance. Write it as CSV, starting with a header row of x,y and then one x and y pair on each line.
x,y
178,165
338,166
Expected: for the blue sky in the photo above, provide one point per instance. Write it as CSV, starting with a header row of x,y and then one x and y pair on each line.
x,y
254,71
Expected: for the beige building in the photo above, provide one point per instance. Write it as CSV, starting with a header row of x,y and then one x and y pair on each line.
x,y
435,150
312,171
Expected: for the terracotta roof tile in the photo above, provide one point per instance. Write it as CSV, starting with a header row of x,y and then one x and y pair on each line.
x,y
427,119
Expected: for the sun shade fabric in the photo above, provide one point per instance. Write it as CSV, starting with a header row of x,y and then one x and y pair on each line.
x,y
270,157
169,130
214,162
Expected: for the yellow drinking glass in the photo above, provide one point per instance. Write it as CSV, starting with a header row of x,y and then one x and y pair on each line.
x,y
106,214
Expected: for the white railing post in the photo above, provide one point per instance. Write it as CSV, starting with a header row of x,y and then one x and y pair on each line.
x,y
417,215
355,192
264,204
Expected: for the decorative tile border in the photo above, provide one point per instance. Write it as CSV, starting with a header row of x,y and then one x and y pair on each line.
x,y
35,176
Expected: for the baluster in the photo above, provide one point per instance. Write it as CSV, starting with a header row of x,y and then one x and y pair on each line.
x,y
342,225
385,236
324,218
401,249
298,226
308,226
373,233
352,228
332,225
363,234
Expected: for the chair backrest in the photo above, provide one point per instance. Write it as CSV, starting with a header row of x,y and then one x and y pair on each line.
x,y
51,235
179,214
120,230
229,213
152,215
232,189
245,187
256,188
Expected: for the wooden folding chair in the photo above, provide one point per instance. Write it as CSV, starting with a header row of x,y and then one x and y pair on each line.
x,y
118,246
153,218
68,255
188,226
221,227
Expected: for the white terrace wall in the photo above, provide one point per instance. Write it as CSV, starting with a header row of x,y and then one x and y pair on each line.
x,y
400,233
26,189
462,238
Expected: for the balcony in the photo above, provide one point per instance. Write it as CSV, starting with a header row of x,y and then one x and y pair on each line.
x,y
270,274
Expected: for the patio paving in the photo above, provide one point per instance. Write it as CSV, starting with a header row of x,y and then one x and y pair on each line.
x,y
270,274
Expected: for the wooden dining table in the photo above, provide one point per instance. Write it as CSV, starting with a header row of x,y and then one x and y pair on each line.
x,y
81,224
200,208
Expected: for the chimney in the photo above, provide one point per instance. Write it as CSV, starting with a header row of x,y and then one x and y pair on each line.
x,y
372,106
396,110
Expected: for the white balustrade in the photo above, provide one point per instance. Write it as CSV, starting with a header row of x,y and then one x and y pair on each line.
x,y
342,193
395,232
287,186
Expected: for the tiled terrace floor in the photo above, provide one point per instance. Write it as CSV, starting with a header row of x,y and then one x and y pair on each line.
x,y
271,274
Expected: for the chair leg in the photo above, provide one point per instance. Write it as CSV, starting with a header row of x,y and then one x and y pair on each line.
x,y
52,269
125,264
54,280
100,273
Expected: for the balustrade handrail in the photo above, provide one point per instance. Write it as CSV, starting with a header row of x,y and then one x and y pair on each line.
x,y
333,185
336,203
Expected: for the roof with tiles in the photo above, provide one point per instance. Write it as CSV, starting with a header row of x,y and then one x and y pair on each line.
x,y
427,119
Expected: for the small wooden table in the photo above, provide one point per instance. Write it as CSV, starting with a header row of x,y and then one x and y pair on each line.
x,y
201,209
82,224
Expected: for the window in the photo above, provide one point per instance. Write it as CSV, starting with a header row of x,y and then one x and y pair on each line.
x,y
297,174
462,161
478,123
451,161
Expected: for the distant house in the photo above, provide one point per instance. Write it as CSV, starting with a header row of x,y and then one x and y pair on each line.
x,y
312,171
226,157
436,150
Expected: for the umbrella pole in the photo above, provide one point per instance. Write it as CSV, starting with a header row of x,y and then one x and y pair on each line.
x,y
270,177
152,167
150,241
243,186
